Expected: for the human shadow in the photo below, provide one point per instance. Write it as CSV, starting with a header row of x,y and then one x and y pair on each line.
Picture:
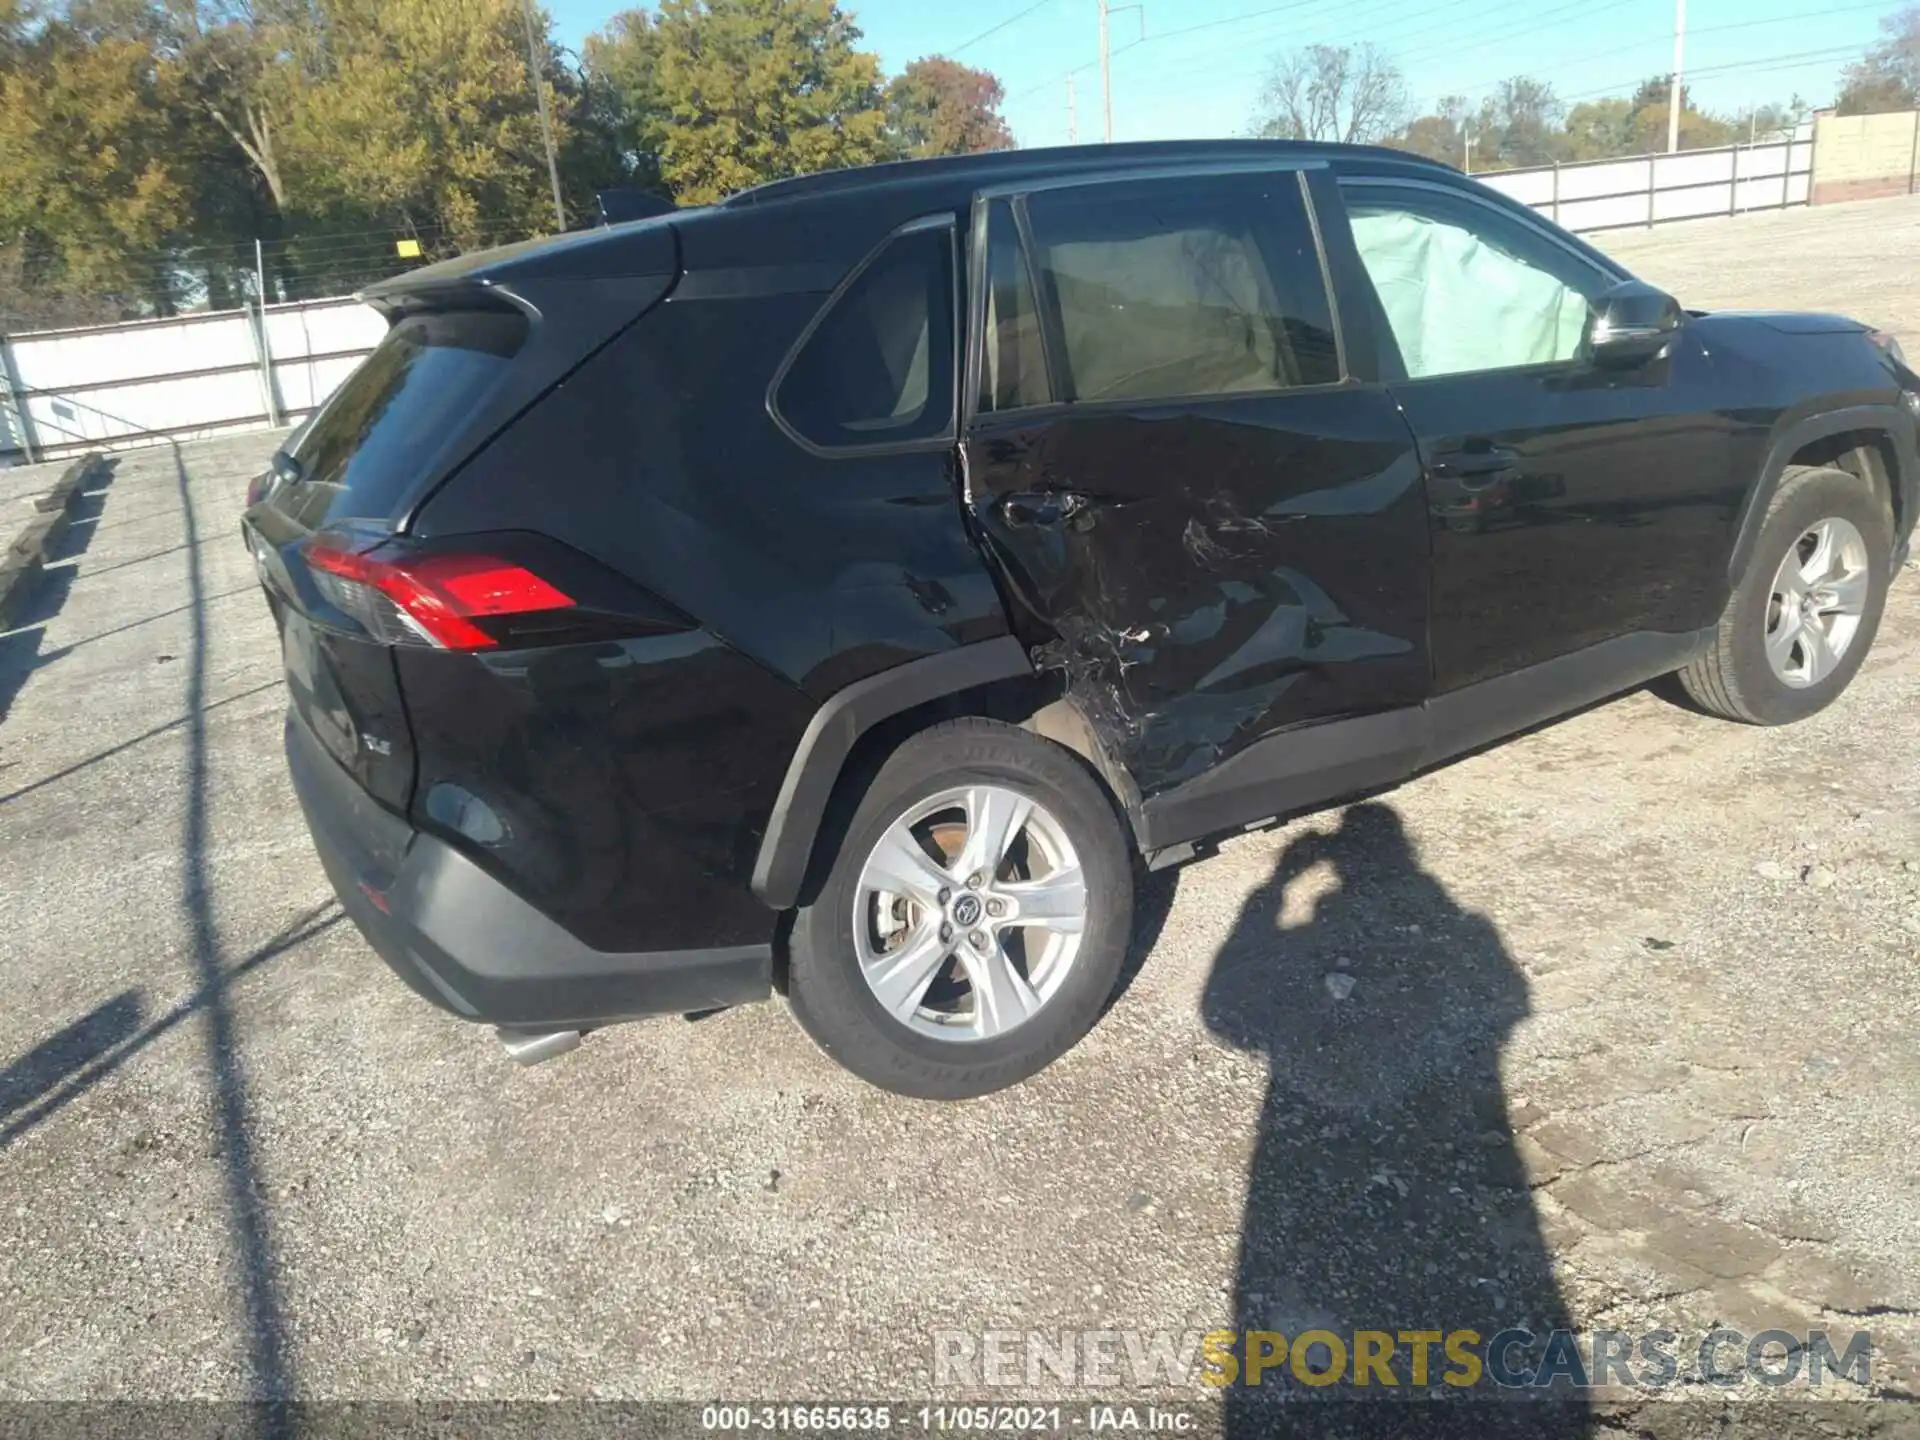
x,y
1385,1192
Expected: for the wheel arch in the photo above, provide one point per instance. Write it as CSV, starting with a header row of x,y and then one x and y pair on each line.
x,y
1874,442
855,730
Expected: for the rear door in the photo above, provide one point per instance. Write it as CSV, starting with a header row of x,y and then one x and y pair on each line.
x,y
353,472
1571,505
1201,519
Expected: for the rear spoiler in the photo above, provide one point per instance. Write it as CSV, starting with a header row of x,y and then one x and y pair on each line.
x,y
639,260
620,205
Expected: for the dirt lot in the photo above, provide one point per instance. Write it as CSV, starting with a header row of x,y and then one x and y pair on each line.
x,y
1633,1041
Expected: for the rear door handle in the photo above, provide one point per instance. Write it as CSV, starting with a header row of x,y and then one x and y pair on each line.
x,y
1476,468
1041,507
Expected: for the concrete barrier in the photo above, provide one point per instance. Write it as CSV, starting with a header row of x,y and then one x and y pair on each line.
x,y
26,554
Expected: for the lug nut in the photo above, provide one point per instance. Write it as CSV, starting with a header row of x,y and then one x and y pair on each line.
x,y
945,894
946,934
979,938
976,880
996,907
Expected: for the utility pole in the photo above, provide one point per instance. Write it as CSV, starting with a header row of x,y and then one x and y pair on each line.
x,y
1106,73
536,71
1466,147
1107,11
1673,97
1073,114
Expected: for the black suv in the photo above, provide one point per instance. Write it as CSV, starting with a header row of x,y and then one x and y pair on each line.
x,y
842,588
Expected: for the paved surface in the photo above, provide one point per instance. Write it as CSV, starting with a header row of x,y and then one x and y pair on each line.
x,y
1631,1041
1854,259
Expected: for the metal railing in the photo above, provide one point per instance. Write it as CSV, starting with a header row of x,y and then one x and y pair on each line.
x,y
1642,190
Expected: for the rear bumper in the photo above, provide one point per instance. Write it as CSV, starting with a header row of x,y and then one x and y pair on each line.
x,y
465,941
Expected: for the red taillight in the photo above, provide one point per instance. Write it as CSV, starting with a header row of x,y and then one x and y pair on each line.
x,y
430,599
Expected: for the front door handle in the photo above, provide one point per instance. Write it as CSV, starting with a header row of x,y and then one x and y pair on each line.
x,y
1476,469
1041,507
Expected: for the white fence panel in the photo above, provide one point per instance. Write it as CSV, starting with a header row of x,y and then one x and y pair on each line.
x,y
62,391
1653,189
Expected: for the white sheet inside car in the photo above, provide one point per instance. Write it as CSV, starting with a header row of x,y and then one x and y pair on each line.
x,y
1456,303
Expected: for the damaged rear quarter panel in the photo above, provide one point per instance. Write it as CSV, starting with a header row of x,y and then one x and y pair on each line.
x,y
1234,567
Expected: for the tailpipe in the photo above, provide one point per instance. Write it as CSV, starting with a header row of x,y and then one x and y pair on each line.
x,y
530,1047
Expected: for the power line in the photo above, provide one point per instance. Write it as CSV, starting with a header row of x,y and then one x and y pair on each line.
x,y
1157,38
1791,61
1347,19
1556,17
991,31
1164,35
1717,30
1229,20
1480,37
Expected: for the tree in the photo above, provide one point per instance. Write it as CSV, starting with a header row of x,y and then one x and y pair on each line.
x,y
1650,105
1599,129
237,74
89,186
758,90
1438,136
1523,120
938,106
624,103
1771,120
1888,76
1351,94
424,113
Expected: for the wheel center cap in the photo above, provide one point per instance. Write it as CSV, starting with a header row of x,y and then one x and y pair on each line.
x,y
966,910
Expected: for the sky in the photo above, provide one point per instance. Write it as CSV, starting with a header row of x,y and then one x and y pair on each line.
x,y
1198,70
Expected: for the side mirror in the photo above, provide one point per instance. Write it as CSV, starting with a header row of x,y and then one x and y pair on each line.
x,y
1632,324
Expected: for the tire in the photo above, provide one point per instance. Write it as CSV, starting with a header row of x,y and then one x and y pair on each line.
x,y
1736,678
928,1048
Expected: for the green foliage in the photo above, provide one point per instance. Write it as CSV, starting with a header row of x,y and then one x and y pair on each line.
x,y
623,97
1522,123
145,145
426,114
1599,130
89,180
757,90
938,106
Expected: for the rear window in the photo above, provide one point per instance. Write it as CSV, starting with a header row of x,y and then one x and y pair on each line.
x,y
878,367
362,453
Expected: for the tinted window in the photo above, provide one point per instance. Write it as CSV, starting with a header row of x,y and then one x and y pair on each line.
x,y
1169,288
1466,288
878,368
1014,369
362,452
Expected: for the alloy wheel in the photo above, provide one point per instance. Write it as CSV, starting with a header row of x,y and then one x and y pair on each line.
x,y
1819,596
969,913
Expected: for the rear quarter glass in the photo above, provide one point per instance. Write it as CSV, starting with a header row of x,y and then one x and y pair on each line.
x,y
361,454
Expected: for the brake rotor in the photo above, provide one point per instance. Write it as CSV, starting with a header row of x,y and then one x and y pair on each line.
x,y
950,836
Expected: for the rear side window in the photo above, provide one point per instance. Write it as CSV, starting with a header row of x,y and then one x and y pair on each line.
x,y
362,452
877,366
1184,287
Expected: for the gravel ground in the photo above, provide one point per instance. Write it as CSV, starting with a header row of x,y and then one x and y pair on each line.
x,y
1630,1042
